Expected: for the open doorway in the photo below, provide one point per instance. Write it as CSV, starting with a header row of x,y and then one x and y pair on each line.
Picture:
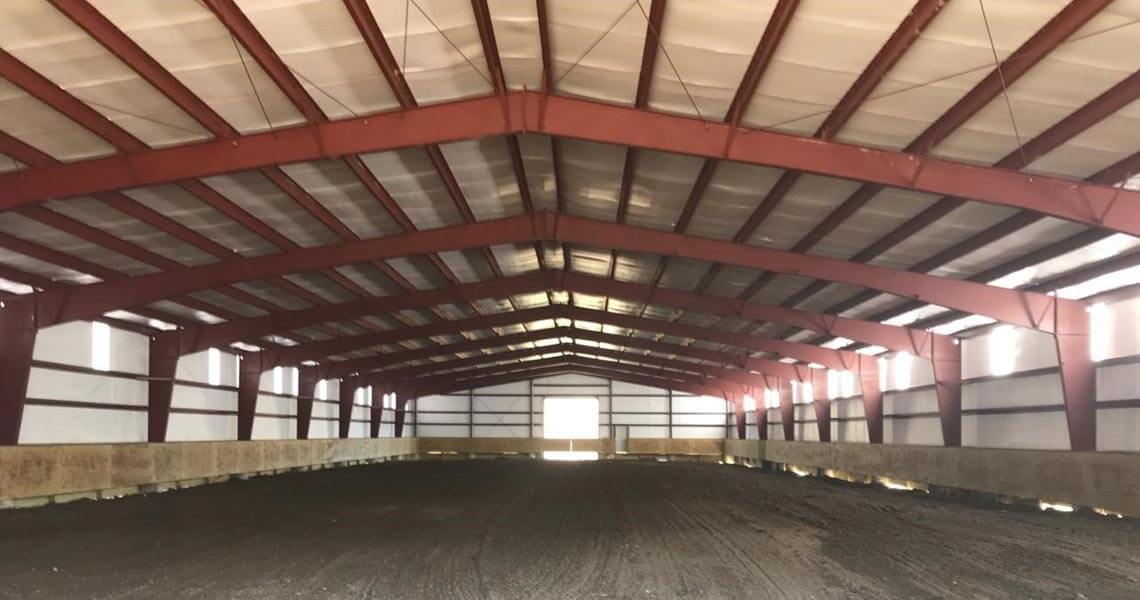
x,y
570,418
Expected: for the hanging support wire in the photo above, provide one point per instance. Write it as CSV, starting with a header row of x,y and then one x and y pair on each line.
x,y
661,44
1004,87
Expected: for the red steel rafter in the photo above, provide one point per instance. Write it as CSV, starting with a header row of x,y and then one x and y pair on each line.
x,y
1017,307
1083,202
484,377
459,367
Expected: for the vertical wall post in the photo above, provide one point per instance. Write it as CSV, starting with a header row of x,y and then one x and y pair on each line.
x,y
530,408
946,357
163,363
345,406
306,393
249,380
821,403
399,425
872,397
737,401
762,420
18,335
670,393
609,410
1072,326
470,413
787,409
376,415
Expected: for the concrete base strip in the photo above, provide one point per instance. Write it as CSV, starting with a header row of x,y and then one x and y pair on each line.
x,y
1107,480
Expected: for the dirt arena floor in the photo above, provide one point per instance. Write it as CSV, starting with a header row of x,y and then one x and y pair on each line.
x,y
504,529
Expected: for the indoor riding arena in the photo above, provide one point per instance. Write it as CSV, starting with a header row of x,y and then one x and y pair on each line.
x,y
570,299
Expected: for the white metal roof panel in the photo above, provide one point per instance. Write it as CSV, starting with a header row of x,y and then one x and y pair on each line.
x,y
1099,146
441,55
1100,54
826,47
414,184
516,32
661,186
590,62
182,207
951,56
966,220
109,219
591,174
486,176
264,200
339,190
710,44
43,235
27,119
321,45
190,42
44,39
883,213
732,195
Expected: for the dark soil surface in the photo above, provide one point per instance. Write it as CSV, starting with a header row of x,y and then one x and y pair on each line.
x,y
505,529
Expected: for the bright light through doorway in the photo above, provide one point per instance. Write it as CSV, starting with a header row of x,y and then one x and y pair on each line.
x,y
570,419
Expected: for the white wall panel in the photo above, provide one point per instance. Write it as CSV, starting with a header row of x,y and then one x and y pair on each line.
x,y
910,402
69,344
323,428
267,428
1124,328
425,430
65,425
197,427
1118,429
1035,390
924,431
702,432
849,431
86,387
847,408
276,405
501,431
698,419
130,352
1118,382
1028,349
1039,431
203,398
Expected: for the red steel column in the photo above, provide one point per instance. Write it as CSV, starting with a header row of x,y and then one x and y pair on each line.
x,y
306,392
249,380
761,420
163,363
787,409
822,403
1078,375
737,400
946,358
399,427
18,332
872,397
344,413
